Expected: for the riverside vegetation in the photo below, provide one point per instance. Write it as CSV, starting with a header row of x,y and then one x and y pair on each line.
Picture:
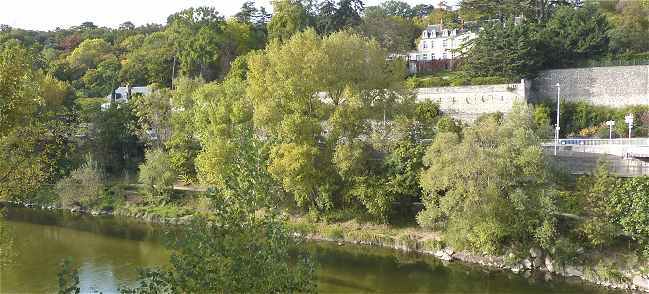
x,y
299,124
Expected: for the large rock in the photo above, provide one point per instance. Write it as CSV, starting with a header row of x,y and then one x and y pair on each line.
x,y
535,252
573,271
449,251
443,255
549,264
527,264
641,282
517,268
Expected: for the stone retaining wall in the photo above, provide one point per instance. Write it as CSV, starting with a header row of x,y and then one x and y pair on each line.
x,y
469,102
615,86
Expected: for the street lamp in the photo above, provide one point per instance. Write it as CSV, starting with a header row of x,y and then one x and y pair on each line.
x,y
610,125
556,129
628,119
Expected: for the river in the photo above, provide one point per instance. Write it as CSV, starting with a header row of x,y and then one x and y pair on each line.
x,y
109,250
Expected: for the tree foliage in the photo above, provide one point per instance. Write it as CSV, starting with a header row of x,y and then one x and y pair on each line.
x,y
157,175
243,246
83,187
490,187
291,98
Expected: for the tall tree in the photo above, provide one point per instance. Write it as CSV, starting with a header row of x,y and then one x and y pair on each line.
x,y
631,32
491,186
293,103
394,33
571,35
511,51
289,17
196,34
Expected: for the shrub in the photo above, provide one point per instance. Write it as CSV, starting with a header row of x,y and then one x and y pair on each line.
x,y
427,112
489,80
426,82
490,187
158,176
629,206
84,186
448,124
460,80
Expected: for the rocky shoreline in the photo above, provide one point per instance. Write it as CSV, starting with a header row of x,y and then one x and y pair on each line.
x,y
537,260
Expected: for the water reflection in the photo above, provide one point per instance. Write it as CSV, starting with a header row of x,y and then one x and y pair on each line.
x,y
109,250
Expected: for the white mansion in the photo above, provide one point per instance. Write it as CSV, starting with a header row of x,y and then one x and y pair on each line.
x,y
439,44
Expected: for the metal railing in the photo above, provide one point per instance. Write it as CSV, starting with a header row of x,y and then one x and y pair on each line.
x,y
595,142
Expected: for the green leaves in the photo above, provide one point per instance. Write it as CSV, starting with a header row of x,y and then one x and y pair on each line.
x,y
491,186
157,175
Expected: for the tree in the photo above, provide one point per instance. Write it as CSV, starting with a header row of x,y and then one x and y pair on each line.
x,y
82,187
509,50
398,8
498,9
182,145
114,141
571,35
18,88
34,138
153,113
157,176
103,80
293,103
631,33
348,14
196,34
223,117
289,17
326,21
89,54
598,228
394,33
244,246
490,188
151,62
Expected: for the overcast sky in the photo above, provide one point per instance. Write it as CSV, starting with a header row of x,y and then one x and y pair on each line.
x,y
49,14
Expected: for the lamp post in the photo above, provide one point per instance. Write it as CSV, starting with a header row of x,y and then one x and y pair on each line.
x,y
556,129
628,119
610,125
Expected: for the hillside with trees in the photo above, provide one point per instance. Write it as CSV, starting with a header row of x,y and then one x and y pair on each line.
x,y
301,113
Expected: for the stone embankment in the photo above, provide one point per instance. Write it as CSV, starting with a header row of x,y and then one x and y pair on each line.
x,y
536,261
142,216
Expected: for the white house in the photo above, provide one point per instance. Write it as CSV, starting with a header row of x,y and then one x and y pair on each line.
x,y
438,42
123,94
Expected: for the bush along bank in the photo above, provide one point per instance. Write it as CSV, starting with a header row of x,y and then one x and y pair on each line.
x,y
600,270
153,214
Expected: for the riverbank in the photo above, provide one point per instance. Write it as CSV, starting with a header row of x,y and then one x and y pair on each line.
x,y
411,239
415,239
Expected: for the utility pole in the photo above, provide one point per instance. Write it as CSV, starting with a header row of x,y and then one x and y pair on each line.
x,y
556,129
610,125
628,119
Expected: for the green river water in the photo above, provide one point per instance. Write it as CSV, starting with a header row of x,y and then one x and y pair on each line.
x,y
109,250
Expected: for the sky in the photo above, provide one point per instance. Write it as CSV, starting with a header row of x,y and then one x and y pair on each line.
x,y
49,14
